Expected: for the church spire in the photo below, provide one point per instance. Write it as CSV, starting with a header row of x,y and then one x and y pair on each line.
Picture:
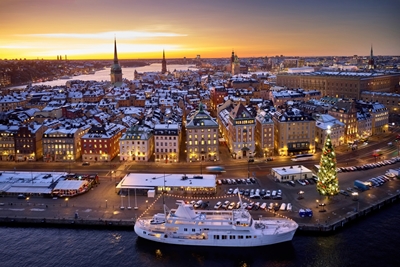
x,y
163,63
115,51
372,53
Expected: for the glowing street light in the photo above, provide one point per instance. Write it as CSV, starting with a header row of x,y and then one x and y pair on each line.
x,y
66,202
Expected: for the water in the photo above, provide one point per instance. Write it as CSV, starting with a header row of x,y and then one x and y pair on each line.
x,y
371,241
127,73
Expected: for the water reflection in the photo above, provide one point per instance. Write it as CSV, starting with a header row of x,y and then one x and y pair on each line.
x,y
178,255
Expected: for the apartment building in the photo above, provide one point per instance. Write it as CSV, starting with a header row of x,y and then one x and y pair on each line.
x,y
7,142
264,134
167,138
136,144
28,142
337,128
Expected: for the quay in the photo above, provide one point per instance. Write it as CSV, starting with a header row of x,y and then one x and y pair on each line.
x,y
108,215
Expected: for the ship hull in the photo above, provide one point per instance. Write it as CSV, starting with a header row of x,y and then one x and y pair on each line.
x,y
260,240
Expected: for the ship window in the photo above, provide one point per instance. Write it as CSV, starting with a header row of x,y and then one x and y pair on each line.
x,y
185,229
193,230
224,237
216,236
240,237
232,237
248,236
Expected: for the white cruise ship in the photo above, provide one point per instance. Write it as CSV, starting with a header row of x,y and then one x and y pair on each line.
x,y
233,228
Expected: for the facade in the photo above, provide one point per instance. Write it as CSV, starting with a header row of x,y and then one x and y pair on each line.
x,y
202,137
28,142
341,84
237,126
136,144
101,143
291,173
63,143
391,101
322,123
379,116
294,133
346,112
264,134
7,142
167,139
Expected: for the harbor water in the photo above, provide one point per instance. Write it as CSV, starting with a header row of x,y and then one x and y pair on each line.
x,y
371,241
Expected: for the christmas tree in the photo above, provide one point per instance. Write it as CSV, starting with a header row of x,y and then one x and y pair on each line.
x,y
328,184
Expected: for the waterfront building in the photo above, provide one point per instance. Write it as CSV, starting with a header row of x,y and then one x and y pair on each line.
x,y
202,137
264,134
345,111
7,142
63,143
167,139
101,142
136,144
294,132
237,126
28,142
338,128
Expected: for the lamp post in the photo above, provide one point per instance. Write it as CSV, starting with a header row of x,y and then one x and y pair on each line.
x,y
106,203
317,203
147,206
66,202
136,207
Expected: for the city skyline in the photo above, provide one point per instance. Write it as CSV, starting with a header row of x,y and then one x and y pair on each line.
x,y
143,29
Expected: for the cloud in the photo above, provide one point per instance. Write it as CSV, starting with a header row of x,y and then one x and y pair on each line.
x,y
120,35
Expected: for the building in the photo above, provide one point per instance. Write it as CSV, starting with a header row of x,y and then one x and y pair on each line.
x,y
28,142
7,142
379,115
294,132
101,142
291,173
116,71
163,64
167,139
202,137
264,134
345,111
341,84
171,183
237,126
63,143
322,123
136,144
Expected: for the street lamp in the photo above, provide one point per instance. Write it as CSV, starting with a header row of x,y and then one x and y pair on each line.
x,y
147,206
317,203
106,203
66,202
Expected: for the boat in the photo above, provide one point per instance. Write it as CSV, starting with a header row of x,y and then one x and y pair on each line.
x,y
216,228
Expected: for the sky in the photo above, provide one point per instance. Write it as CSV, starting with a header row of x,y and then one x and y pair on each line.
x,y
85,29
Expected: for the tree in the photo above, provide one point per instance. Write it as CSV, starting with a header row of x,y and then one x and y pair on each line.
x,y
328,183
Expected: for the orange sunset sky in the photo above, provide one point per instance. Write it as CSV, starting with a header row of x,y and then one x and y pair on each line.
x,y
85,29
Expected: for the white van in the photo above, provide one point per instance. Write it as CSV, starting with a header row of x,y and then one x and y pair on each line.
x,y
263,206
236,191
283,206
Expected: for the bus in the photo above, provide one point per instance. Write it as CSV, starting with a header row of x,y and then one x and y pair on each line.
x,y
302,157
215,169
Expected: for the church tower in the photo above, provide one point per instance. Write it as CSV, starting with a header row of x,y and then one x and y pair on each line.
x,y
371,61
116,71
163,63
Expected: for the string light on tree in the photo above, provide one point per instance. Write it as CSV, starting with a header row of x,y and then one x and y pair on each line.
x,y
328,183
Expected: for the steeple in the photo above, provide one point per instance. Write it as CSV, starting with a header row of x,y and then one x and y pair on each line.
x,y
115,51
163,63
372,53
116,71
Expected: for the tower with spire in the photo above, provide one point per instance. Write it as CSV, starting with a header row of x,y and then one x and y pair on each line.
x,y
163,63
371,61
116,71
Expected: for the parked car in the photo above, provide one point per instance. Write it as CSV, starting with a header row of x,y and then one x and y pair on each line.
x,y
263,192
231,205
198,204
230,191
291,183
263,206
218,205
289,207
86,163
226,204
